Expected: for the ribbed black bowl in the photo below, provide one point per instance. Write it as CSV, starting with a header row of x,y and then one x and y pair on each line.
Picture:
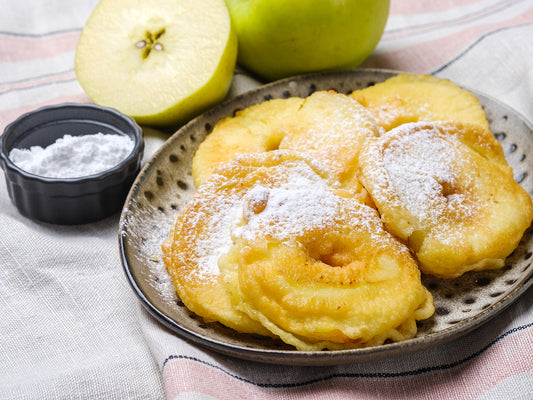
x,y
69,200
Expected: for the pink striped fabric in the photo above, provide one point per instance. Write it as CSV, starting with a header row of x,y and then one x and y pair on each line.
x,y
18,48
482,44
451,381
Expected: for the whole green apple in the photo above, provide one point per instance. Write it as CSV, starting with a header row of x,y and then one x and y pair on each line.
x,y
280,38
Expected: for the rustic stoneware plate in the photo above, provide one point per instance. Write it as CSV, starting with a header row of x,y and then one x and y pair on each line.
x,y
165,185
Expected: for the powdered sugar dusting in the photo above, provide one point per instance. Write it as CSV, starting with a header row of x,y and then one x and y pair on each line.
x,y
420,172
217,210
216,239
331,127
417,169
288,212
204,231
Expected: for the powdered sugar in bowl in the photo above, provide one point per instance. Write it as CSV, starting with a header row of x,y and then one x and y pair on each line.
x,y
70,163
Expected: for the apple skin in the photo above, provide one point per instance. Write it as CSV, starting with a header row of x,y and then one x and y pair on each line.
x,y
280,38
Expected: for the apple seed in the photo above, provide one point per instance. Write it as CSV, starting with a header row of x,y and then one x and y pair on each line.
x,y
151,41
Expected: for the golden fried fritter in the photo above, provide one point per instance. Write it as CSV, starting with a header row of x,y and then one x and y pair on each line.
x,y
331,127
417,97
320,271
257,128
202,230
446,190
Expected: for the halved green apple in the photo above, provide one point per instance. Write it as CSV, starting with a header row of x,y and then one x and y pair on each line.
x,y
160,61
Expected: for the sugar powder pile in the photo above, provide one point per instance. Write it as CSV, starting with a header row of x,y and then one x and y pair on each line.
x,y
74,156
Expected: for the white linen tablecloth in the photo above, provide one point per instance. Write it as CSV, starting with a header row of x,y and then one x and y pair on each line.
x,y
72,328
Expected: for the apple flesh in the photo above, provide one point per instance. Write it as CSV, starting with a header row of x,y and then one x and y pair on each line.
x,y
160,61
279,38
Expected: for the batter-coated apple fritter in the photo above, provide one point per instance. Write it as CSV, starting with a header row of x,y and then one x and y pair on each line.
x,y
418,97
320,271
202,230
446,189
257,128
331,127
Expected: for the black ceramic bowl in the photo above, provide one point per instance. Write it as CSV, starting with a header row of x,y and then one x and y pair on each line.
x,y
69,200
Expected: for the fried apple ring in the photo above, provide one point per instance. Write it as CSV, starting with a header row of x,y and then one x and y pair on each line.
x,y
417,97
446,190
331,127
202,230
319,270
257,128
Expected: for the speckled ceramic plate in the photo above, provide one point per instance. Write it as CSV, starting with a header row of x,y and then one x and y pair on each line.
x,y
165,184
